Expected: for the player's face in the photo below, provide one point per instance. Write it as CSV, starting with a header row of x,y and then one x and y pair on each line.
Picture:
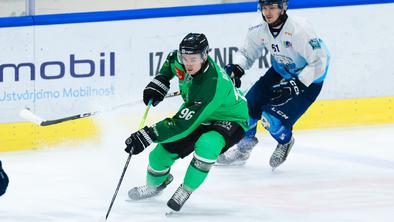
x,y
192,62
271,13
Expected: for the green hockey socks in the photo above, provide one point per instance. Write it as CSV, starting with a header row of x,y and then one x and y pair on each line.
x,y
207,149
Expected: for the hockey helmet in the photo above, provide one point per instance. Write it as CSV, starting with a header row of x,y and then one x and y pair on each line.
x,y
282,4
194,43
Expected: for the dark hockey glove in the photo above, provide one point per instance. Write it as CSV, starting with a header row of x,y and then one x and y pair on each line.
x,y
3,180
156,90
286,90
235,72
139,140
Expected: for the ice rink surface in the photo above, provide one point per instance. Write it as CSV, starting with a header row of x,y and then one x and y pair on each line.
x,y
331,175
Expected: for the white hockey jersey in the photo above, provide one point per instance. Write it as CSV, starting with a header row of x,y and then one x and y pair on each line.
x,y
296,51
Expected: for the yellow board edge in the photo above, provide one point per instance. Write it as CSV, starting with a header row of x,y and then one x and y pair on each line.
x,y
345,113
27,136
322,114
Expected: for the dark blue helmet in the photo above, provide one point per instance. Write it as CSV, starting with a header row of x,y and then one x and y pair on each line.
x,y
281,3
194,43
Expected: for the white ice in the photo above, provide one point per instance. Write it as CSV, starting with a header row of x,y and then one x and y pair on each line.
x,y
331,175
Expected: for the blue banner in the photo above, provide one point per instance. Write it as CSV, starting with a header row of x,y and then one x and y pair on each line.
x,y
213,9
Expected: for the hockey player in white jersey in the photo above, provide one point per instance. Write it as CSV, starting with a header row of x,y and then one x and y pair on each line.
x,y
300,62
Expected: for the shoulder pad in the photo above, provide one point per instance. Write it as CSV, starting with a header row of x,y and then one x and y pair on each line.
x,y
172,55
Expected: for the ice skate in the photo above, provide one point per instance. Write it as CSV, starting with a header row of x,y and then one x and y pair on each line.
x,y
237,156
145,191
179,198
280,154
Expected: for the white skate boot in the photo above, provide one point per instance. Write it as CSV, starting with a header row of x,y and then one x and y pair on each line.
x,y
145,191
179,198
237,156
280,154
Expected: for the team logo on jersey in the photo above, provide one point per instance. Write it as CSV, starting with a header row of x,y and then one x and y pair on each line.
x,y
180,73
197,103
315,43
288,44
289,33
284,60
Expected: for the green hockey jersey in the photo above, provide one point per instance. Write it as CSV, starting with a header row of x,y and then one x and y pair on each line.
x,y
208,96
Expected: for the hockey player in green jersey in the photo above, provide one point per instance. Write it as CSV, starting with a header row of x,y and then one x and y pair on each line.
x,y
212,118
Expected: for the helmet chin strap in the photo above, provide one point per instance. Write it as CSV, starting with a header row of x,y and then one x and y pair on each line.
x,y
203,67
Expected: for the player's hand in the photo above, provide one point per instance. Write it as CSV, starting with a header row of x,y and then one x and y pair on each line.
x,y
139,140
156,90
286,90
3,180
235,72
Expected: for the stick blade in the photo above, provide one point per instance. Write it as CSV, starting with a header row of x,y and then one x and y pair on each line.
x,y
28,115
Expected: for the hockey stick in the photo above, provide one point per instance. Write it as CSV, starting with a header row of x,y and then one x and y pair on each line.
x,y
29,115
127,162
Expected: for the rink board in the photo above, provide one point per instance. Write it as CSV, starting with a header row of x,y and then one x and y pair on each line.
x,y
322,114
23,136
351,112
108,62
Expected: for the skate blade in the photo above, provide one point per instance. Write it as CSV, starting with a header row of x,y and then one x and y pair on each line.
x,y
234,164
229,166
170,213
273,169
